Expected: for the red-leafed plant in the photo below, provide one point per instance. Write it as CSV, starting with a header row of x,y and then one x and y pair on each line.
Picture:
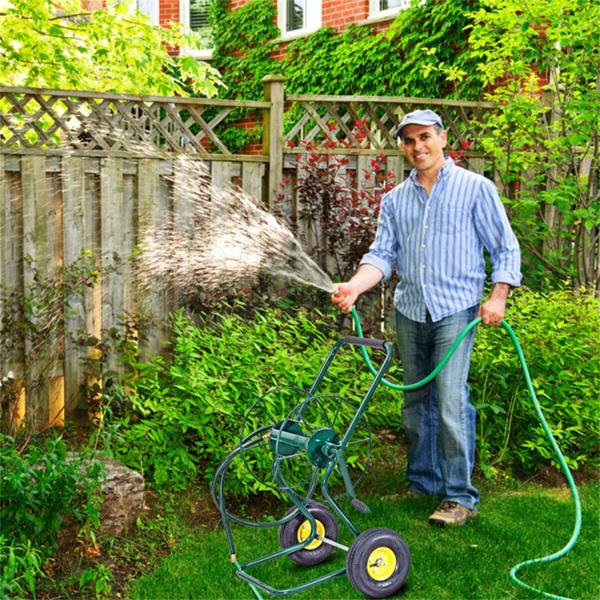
x,y
333,208
459,155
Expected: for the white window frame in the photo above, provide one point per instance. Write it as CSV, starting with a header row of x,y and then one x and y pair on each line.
x,y
376,13
313,19
184,19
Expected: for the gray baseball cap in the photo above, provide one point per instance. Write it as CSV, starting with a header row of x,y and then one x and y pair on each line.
x,y
419,117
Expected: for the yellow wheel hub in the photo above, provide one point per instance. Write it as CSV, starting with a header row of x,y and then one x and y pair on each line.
x,y
381,563
304,532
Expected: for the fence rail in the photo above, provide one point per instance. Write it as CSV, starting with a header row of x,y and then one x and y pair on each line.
x,y
82,171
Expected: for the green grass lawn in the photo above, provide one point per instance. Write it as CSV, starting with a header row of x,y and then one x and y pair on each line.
x,y
516,522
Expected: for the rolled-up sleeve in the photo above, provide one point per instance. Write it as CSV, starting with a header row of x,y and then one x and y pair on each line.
x,y
494,230
383,251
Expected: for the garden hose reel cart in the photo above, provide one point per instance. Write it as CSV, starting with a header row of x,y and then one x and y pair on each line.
x,y
309,445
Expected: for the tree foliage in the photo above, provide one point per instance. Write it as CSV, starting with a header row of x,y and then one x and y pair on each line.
x,y
59,44
540,60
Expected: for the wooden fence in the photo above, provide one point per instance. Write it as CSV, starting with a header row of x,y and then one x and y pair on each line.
x,y
84,171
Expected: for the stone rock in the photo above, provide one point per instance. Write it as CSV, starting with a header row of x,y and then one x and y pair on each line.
x,y
123,497
122,502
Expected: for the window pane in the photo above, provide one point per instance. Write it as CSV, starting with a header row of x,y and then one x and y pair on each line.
x,y
385,4
295,14
199,14
150,8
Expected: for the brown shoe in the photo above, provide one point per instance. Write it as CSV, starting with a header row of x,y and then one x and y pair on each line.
x,y
451,513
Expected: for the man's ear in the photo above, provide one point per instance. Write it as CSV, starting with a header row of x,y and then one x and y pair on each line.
x,y
444,136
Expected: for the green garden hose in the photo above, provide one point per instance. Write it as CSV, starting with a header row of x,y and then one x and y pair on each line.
x,y
536,404
254,588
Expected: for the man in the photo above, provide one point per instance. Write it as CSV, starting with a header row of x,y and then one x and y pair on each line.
x,y
433,228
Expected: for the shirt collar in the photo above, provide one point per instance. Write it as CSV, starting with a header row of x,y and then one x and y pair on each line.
x,y
443,174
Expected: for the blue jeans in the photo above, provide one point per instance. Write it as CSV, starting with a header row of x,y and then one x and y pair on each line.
x,y
438,419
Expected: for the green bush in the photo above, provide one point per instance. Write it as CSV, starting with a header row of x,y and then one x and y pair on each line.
x,y
183,417
41,486
558,332
190,412
21,566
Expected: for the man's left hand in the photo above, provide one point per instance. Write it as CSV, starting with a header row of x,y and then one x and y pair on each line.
x,y
493,309
492,312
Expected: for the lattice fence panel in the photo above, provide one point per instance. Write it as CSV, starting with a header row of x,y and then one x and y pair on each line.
x,y
85,123
362,124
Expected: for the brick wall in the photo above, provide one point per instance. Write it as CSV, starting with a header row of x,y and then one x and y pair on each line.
x,y
93,4
168,10
338,13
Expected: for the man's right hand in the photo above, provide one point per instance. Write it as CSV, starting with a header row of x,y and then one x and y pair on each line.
x,y
365,278
345,297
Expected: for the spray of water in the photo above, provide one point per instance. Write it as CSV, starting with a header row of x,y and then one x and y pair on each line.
x,y
220,238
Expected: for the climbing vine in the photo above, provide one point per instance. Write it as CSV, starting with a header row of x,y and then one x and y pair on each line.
x,y
243,44
413,57
359,60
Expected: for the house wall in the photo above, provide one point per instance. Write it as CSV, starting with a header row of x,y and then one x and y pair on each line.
x,y
337,13
168,11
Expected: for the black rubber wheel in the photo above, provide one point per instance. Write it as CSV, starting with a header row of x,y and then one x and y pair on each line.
x,y
378,562
298,530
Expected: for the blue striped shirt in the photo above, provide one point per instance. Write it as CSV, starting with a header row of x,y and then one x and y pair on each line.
x,y
436,243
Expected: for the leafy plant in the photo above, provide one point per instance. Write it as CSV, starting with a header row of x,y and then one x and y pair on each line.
x,y
558,331
98,577
42,486
337,218
243,46
539,60
189,413
32,320
398,61
115,49
21,566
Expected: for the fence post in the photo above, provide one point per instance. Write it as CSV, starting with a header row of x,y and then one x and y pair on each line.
x,y
274,93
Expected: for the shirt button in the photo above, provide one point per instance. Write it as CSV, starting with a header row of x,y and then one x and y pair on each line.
x,y
423,245
424,285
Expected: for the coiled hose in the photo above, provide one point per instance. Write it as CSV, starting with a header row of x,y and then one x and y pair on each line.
x,y
536,404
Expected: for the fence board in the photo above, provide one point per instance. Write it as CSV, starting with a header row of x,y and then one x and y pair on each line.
x,y
35,242
252,180
76,236
395,164
113,245
220,175
56,346
153,202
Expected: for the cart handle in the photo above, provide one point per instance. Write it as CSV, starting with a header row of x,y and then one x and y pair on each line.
x,y
361,341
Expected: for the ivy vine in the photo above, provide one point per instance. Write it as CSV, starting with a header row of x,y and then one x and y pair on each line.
x,y
413,57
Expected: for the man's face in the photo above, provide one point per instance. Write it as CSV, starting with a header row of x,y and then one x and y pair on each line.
x,y
424,146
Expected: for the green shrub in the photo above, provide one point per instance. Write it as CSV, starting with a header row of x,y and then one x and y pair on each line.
x,y
190,412
21,566
558,332
42,484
